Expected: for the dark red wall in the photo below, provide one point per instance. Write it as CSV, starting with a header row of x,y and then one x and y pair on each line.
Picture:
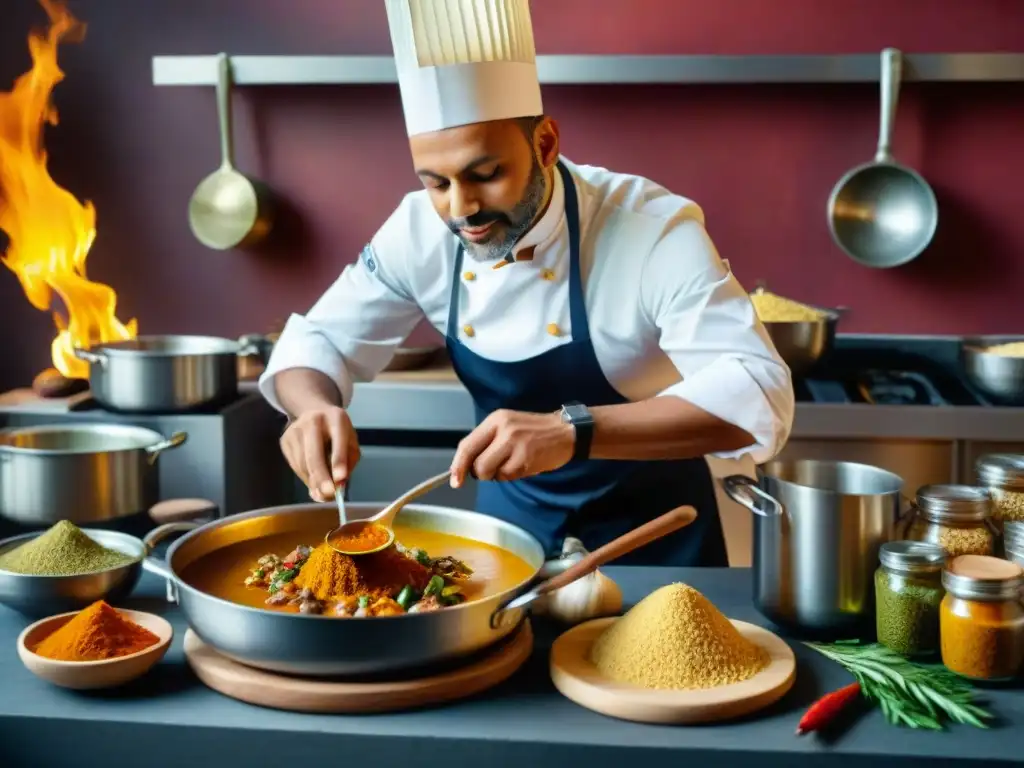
x,y
761,160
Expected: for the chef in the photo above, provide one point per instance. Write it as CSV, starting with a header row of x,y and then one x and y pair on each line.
x,y
607,347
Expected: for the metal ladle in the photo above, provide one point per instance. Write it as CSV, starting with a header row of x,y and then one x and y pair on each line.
x,y
383,519
883,214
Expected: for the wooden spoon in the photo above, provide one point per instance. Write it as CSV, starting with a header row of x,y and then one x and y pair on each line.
x,y
680,517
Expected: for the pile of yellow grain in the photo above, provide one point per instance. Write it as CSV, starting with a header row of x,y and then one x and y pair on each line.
x,y
772,308
676,639
1010,349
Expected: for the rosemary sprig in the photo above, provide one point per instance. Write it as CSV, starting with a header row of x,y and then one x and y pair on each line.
x,y
909,694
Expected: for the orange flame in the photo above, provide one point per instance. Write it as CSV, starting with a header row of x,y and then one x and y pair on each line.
x,y
50,232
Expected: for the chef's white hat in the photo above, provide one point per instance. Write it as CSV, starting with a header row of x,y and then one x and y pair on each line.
x,y
463,61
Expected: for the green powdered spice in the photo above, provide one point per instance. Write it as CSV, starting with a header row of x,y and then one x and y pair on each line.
x,y
907,614
63,550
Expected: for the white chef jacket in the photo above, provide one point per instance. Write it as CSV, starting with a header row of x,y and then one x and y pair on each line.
x,y
667,317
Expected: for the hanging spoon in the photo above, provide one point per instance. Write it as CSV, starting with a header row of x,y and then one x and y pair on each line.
x,y
364,537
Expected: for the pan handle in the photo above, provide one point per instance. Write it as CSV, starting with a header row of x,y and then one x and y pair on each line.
x,y
892,74
93,358
672,520
745,492
255,345
154,451
157,566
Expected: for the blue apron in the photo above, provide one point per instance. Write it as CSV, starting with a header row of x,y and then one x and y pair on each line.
x,y
594,500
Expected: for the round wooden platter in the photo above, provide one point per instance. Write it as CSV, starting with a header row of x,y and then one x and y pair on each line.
x,y
327,696
578,679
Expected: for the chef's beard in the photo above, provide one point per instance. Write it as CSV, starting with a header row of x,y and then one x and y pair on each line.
x,y
516,222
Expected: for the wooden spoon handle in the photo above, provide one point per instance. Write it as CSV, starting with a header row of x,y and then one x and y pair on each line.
x,y
680,517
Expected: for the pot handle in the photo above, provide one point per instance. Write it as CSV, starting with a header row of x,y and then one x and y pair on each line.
x,y
154,451
93,358
745,492
157,566
671,521
255,345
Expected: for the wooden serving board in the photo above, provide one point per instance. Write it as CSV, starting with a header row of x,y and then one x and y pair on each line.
x,y
326,696
578,679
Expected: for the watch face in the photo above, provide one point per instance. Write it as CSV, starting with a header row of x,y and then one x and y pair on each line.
x,y
574,412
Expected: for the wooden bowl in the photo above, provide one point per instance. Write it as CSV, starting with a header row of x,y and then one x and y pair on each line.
x,y
90,675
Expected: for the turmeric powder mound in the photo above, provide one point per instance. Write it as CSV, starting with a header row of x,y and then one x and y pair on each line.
x,y
330,575
96,633
676,639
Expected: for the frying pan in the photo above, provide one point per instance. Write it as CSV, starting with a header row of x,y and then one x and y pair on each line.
x,y
228,209
883,214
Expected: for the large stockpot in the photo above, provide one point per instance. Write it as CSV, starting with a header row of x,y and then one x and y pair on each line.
x,y
818,528
168,374
84,473
324,645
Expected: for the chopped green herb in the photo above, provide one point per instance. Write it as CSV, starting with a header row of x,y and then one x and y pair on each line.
x,y
406,597
434,586
364,601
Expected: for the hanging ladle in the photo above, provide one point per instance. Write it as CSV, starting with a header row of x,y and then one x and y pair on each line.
x,y
374,534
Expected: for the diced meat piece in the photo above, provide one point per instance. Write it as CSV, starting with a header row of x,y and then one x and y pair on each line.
x,y
269,562
426,604
278,598
311,606
346,606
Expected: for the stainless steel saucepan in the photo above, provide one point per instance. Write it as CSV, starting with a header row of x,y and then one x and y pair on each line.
x,y
84,473
818,527
168,374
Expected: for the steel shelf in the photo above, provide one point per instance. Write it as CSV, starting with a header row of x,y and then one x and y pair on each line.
x,y
608,70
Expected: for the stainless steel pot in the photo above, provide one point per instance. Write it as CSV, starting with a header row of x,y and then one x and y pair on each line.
x,y
324,645
167,374
818,527
802,344
84,473
998,377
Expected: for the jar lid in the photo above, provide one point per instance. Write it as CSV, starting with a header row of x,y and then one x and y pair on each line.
x,y
954,503
979,577
1004,470
912,556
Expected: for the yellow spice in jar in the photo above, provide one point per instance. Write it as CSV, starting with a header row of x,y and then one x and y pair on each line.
x,y
775,309
1007,505
1010,349
977,540
676,639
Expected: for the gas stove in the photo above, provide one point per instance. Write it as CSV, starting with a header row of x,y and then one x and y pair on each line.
x,y
883,370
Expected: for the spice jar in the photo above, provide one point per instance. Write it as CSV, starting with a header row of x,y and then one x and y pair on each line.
x,y
1002,474
956,517
981,621
1013,541
908,593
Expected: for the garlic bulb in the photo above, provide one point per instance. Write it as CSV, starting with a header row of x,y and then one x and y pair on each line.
x,y
589,597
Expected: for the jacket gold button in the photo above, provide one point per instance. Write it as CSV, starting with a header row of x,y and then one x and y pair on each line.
x,y
554,330
469,276
468,330
547,274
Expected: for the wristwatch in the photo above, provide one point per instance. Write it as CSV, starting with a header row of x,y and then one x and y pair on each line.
x,y
582,421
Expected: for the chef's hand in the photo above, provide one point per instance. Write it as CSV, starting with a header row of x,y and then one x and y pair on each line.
x,y
322,448
509,445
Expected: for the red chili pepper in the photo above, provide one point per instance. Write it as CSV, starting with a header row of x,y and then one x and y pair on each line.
x,y
825,709
288,565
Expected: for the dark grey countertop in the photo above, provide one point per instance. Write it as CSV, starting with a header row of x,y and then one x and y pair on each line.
x,y
169,719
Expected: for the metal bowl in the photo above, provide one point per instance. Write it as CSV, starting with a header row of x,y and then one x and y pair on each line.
x,y
802,344
998,377
38,596
327,646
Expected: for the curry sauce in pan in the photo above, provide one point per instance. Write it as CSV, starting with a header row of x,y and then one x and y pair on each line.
x,y
228,573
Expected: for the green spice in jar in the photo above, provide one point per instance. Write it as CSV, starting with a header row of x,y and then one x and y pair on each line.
x,y
63,550
908,594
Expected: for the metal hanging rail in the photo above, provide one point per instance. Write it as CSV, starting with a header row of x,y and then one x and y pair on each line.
x,y
609,70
